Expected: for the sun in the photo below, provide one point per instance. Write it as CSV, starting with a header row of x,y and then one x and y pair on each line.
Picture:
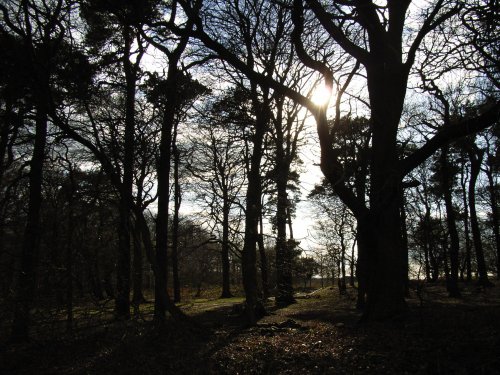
x,y
321,95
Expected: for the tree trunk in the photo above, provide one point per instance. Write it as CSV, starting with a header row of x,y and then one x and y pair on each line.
x,y
263,260
137,297
175,223
351,264
122,300
5,131
284,293
163,172
495,217
69,252
468,247
475,157
253,307
426,229
25,292
163,303
404,242
386,286
363,238
447,178
341,265
226,280
444,246
284,257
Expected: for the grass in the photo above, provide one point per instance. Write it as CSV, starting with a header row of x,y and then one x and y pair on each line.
x,y
319,334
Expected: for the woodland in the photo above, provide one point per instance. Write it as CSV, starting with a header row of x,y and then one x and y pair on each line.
x,y
156,157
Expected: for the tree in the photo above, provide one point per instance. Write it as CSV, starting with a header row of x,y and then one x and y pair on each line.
x,y
120,23
218,165
40,39
171,94
446,175
374,36
305,268
286,132
475,157
492,170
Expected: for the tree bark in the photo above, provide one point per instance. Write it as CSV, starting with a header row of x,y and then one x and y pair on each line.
x,y
163,303
253,306
284,256
468,247
386,286
163,172
264,267
26,287
122,299
69,251
404,243
137,296
226,280
475,157
495,216
426,229
447,178
363,238
175,222
284,293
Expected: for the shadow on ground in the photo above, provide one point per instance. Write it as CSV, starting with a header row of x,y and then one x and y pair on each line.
x,y
317,335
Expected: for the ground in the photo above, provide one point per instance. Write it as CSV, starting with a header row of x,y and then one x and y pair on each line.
x,y
320,334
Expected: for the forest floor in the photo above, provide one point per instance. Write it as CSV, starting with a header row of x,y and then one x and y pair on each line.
x,y
319,334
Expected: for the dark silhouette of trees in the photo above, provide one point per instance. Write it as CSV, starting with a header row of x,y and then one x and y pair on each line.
x,y
491,169
387,58
218,162
104,107
39,38
119,25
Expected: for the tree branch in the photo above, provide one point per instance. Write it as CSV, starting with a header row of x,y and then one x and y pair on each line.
x,y
448,134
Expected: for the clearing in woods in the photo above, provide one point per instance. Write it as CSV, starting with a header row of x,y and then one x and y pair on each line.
x,y
320,334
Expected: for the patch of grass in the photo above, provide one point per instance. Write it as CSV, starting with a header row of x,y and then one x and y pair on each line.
x,y
319,334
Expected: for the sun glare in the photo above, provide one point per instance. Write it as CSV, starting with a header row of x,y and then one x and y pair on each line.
x,y
321,95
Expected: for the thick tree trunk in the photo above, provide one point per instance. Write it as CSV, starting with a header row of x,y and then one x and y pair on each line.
x,y
122,300
249,251
175,223
475,157
386,286
363,238
26,287
253,308
163,172
447,186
